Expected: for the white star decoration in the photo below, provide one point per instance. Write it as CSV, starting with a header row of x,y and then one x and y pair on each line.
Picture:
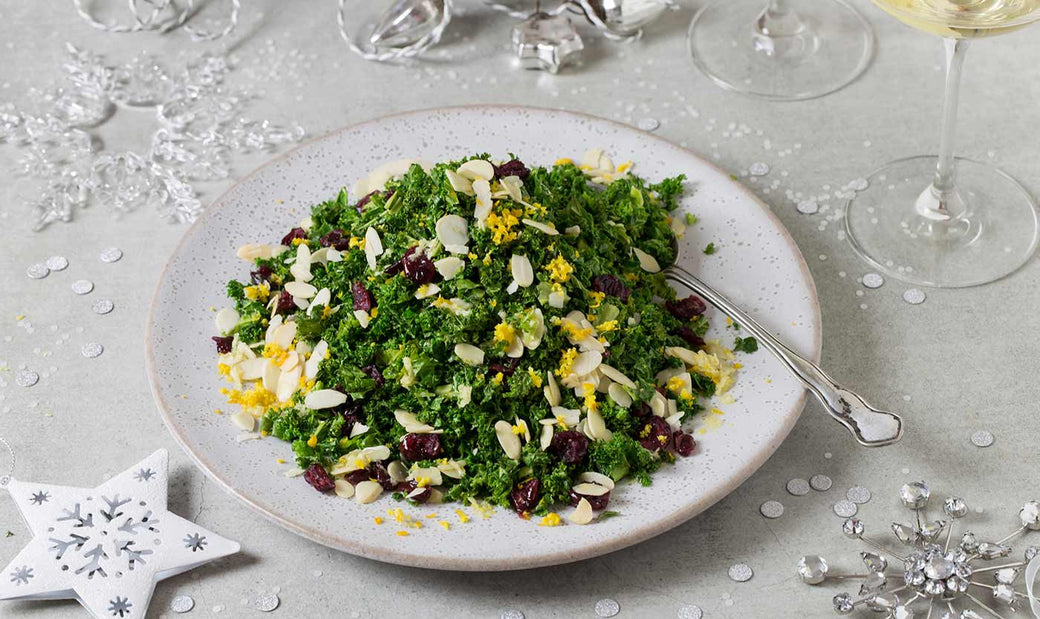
x,y
105,546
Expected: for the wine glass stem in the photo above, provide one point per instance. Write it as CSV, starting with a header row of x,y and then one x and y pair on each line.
x,y
946,170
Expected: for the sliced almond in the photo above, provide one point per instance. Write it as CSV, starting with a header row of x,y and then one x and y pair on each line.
x,y
358,429
546,437
537,225
597,478
244,420
301,269
271,374
569,416
475,169
582,514
551,390
647,262
557,299
292,359
516,349
373,247
283,336
431,475
452,468
521,269
344,489
449,267
452,230
458,183
482,189
252,369
334,255
572,230
310,370
363,318
674,421
469,354
590,489
412,424
252,251
300,290
586,362
398,471
427,290
658,404
619,395
513,185
457,249
533,338
324,398
321,256
367,491
688,356
616,376
597,427
323,298
288,383
226,320
510,442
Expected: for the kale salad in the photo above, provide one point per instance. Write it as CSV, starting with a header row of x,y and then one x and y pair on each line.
x,y
476,331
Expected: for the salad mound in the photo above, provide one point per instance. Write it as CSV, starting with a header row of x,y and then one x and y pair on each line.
x,y
476,331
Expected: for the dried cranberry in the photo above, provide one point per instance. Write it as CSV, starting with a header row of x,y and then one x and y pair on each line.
x,y
690,337
507,368
525,496
513,167
360,206
687,308
379,473
262,274
285,304
223,343
351,413
415,447
376,375
406,488
597,502
643,410
356,477
570,446
684,443
349,419
418,267
335,239
295,233
319,478
363,299
655,433
611,285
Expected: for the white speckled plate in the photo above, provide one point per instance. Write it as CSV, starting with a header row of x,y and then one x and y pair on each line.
x,y
757,264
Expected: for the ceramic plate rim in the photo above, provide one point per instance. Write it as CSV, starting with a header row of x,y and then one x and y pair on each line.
x,y
401,556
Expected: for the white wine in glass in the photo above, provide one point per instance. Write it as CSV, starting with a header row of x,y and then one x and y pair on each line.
x,y
941,220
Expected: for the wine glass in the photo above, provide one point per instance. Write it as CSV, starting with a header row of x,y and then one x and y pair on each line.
x,y
783,50
941,220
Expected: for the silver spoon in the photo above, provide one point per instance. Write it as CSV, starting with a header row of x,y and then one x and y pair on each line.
x,y
870,426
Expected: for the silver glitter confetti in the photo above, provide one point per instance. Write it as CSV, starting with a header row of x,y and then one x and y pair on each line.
x,y
512,614
112,254
740,572
772,509
689,611
103,306
845,508
858,494
982,438
26,378
821,483
38,271
914,296
607,608
182,604
798,486
82,286
92,349
758,169
808,207
266,602
57,263
873,280
859,184
648,124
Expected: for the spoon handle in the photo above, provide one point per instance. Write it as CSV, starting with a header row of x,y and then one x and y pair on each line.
x,y
870,427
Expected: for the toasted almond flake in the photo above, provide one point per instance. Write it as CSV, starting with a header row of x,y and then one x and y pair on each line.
x,y
458,183
465,395
301,290
547,435
557,299
283,336
512,185
590,489
244,420
292,359
252,369
398,471
321,256
430,476
469,354
293,472
449,267
475,169
414,493
521,269
510,442
334,255
537,225
452,230
685,354
226,320
452,468
552,390
597,427
678,227
271,374
436,497
572,230
363,318
323,297
582,514
301,269
516,349
310,370
247,436
367,491
344,489
482,189
674,421
647,262
658,404
586,362
616,376
569,416
373,247
412,424
427,290
619,395
288,383
324,398
252,251
597,478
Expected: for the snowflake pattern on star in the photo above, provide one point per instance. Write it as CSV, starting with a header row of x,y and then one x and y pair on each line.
x,y
39,498
22,575
144,475
119,607
195,542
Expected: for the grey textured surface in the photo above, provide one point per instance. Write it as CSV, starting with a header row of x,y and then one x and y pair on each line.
x,y
965,358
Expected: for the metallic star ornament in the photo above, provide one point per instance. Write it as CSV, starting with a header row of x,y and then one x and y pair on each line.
x,y
105,546
547,42
932,573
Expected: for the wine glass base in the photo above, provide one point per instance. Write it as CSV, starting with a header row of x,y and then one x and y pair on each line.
x,y
833,50
889,226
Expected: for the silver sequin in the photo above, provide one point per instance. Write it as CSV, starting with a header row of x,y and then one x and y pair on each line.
x,y
798,487
182,604
26,378
103,306
873,280
914,296
982,438
845,508
38,271
821,483
57,263
758,169
858,494
648,124
82,286
607,608
808,207
112,254
741,572
859,184
266,602
512,614
92,349
772,509
689,611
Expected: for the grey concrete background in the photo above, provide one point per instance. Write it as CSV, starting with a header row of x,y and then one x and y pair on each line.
x,y
962,361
